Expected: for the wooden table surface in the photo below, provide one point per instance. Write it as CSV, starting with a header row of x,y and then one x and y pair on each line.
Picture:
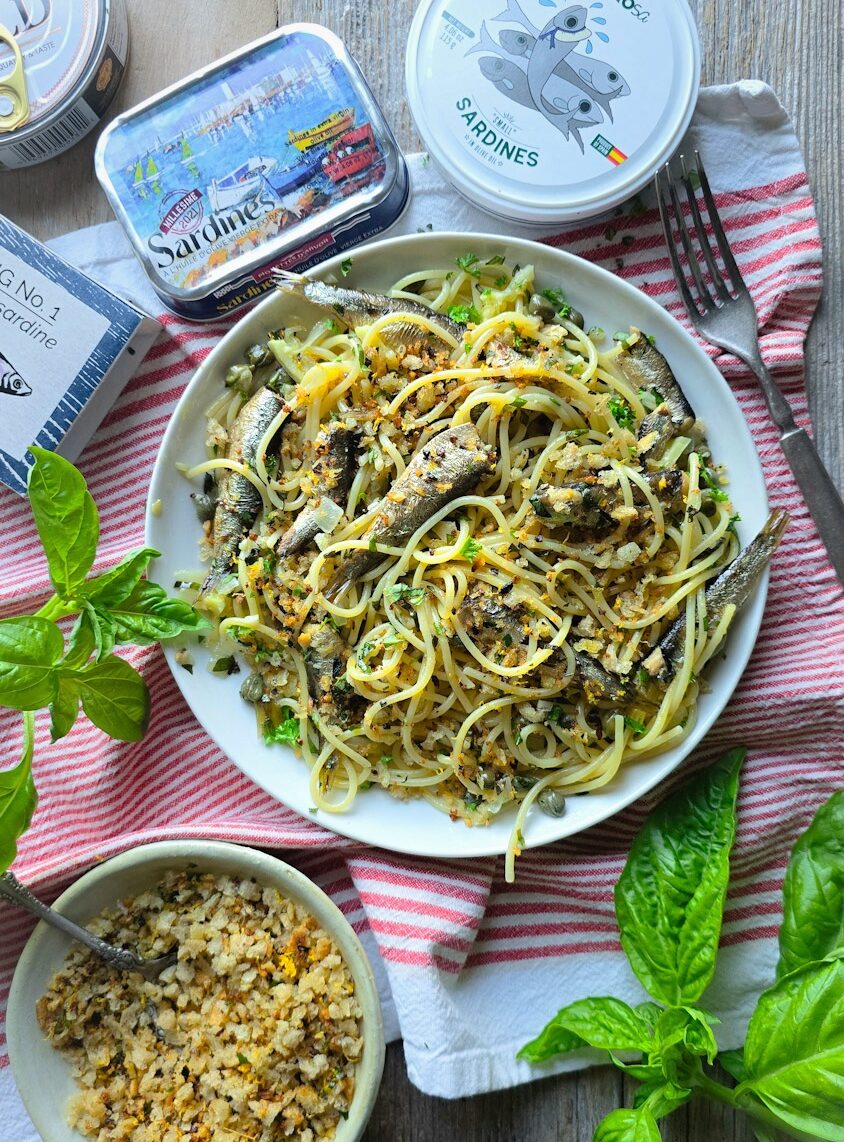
x,y
796,46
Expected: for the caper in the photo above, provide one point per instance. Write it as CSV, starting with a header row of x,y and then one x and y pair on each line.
x,y
486,777
541,307
552,802
523,782
575,317
252,688
209,484
279,381
258,355
205,506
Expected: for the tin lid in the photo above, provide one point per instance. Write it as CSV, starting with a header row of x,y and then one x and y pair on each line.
x,y
272,147
548,112
56,39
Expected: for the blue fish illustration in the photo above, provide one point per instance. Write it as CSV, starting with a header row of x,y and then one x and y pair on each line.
x,y
516,43
11,382
570,26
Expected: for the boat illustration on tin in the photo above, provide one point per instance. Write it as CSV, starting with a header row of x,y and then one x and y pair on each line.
x,y
290,178
242,183
332,126
352,153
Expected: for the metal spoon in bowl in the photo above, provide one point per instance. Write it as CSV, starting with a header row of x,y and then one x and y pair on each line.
x,y
123,959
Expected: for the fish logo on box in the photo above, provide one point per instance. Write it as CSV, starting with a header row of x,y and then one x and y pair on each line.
x,y
12,383
540,68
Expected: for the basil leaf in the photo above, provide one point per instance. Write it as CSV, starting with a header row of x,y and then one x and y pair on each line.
x,y
606,1023
628,1126
669,899
115,698
81,644
552,1040
649,1013
683,1037
149,615
117,584
795,1050
661,1098
66,518
29,650
813,892
102,628
64,709
17,797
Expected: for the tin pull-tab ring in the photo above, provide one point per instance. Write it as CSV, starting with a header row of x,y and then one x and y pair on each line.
x,y
14,101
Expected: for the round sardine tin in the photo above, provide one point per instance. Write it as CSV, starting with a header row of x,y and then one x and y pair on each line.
x,y
543,112
74,55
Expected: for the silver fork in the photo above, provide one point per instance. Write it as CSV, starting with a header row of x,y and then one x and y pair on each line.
x,y
123,959
722,311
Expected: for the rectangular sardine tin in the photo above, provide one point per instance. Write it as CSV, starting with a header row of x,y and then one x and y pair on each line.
x,y
277,156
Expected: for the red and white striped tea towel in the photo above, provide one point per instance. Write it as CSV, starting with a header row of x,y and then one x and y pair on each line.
x,y
471,967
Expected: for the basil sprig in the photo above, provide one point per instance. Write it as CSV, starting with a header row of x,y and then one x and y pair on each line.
x,y
40,669
669,905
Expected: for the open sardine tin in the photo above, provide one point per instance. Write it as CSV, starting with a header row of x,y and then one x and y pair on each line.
x,y
547,111
275,157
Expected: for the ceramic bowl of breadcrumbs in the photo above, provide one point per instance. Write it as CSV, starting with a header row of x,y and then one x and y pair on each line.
x,y
267,1028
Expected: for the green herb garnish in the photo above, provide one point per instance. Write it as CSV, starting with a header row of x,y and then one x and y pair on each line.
x,y
403,592
469,264
463,314
346,266
622,412
470,549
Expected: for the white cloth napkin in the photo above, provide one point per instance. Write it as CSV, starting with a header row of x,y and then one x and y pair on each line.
x,y
469,968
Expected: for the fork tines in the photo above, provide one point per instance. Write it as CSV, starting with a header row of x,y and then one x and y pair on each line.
x,y
709,287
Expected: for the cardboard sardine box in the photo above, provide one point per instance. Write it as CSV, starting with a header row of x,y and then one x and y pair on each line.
x,y
67,349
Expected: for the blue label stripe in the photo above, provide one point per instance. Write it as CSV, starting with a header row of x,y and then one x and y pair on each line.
x,y
124,322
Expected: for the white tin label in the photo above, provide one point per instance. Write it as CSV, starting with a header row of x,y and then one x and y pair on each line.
x,y
46,336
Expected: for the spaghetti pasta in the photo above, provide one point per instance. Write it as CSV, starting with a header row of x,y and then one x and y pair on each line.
x,y
484,649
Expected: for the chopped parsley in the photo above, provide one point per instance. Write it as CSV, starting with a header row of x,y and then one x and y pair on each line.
x,y
518,402
595,333
469,264
463,314
346,267
226,665
623,413
364,653
555,296
710,481
633,724
621,336
394,639
472,800
470,549
373,545
242,1059
731,526
285,733
555,715
495,260
642,677
405,593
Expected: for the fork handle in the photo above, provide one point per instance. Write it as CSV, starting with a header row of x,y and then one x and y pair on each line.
x,y
16,893
819,491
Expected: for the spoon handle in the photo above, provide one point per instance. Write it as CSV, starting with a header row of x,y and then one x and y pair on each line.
x,y
12,890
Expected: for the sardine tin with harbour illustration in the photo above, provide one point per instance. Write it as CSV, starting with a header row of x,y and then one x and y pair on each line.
x,y
275,156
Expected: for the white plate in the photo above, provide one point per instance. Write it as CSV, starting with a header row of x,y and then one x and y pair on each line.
x,y
376,817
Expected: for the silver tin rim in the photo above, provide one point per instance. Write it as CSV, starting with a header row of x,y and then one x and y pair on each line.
x,y
107,9
394,160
